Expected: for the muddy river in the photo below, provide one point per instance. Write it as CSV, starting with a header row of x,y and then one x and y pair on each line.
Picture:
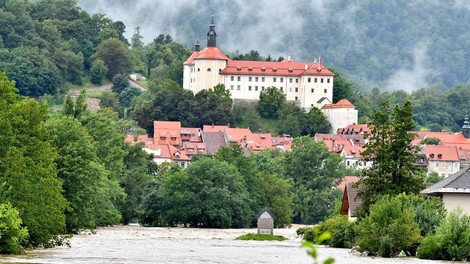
x,y
134,244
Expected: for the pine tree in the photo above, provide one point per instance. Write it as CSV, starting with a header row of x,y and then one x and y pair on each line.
x,y
393,158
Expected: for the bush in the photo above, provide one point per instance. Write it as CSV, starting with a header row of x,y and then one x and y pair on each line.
x,y
261,237
340,228
389,229
451,240
11,232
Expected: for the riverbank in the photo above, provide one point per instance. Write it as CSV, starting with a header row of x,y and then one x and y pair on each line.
x,y
135,244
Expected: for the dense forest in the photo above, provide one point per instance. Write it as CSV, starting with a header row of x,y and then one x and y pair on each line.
x,y
395,44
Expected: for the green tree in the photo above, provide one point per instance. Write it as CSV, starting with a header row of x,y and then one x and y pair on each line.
x,y
270,101
12,234
69,64
393,157
450,241
313,170
252,120
317,122
79,168
136,40
208,193
126,96
430,141
389,228
276,195
120,82
115,56
98,71
110,100
137,164
28,176
343,88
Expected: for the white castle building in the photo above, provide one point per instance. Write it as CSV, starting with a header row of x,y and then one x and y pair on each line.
x,y
308,84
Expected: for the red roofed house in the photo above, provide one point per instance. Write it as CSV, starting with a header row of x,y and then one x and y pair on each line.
x,y
308,84
341,114
444,160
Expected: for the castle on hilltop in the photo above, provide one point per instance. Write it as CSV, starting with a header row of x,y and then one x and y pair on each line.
x,y
307,84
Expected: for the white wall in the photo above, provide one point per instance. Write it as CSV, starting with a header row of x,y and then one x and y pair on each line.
x,y
340,117
452,201
443,168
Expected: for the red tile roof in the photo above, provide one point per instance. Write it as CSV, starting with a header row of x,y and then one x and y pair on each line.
x,y
441,153
211,53
167,132
447,139
212,128
192,149
282,68
343,103
355,129
347,179
191,58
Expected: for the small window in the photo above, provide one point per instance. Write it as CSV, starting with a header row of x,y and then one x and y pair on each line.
x,y
239,78
173,138
316,80
208,69
231,87
250,68
325,90
437,164
313,90
262,79
274,79
321,80
328,80
249,88
256,79
239,68
280,88
296,80
256,88
262,88
263,69
309,79
198,69
290,89
296,89
238,87
290,80
232,78
296,98
162,138
250,78
282,79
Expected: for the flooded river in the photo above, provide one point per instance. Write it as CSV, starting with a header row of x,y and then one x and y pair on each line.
x,y
134,244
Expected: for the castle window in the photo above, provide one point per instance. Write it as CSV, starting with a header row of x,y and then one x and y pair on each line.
x,y
239,68
256,79
290,70
239,78
290,80
231,87
290,89
238,87
313,90
328,80
262,79
208,69
321,80
262,88
274,79
296,80
296,98
263,69
256,88
282,79
325,90
249,88
250,68
280,88
316,80
198,69
232,78
296,89
250,78
274,69
309,79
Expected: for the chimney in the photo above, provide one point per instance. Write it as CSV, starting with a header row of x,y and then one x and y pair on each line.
x,y
306,66
288,58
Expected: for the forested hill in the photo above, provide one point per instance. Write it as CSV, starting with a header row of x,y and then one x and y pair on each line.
x,y
393,44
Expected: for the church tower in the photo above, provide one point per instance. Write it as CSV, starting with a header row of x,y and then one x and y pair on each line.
x,y
211,35
466,127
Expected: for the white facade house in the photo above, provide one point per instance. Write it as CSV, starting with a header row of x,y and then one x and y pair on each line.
x,y
307,84
341,114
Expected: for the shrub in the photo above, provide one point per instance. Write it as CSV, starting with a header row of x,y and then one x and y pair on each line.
x,y
389,228
260,237
11,232
451,240
340,228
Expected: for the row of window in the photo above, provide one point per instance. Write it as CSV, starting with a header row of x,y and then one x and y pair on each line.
x,y
256,88
281,79
449,164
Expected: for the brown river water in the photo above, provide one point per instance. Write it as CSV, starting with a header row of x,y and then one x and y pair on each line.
x,y
134,244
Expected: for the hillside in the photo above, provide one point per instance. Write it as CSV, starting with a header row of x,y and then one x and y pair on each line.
x,y
394,44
